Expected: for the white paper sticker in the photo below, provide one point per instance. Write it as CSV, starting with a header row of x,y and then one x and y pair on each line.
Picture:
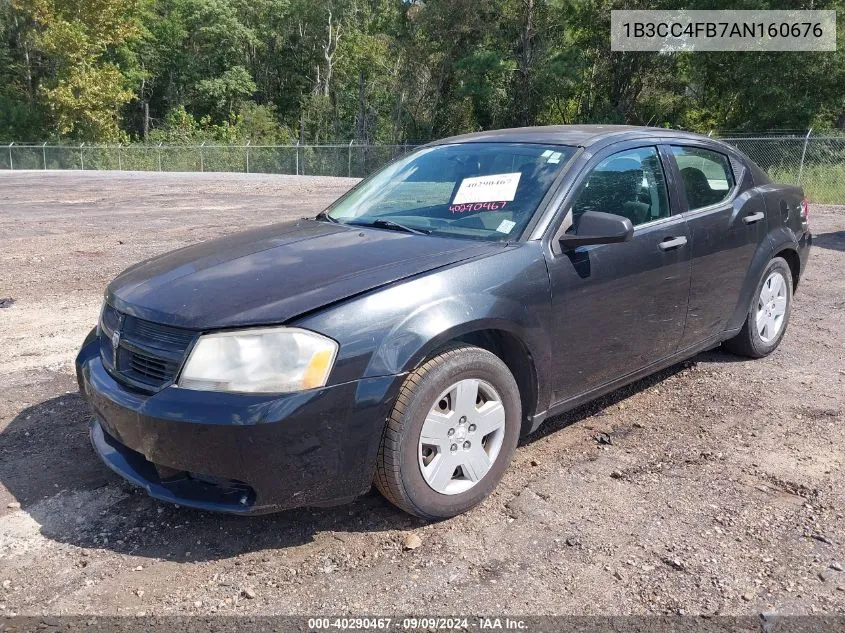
x,y
546,154
506,226
554,158
493,188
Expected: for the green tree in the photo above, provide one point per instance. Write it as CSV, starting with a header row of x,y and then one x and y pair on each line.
x,y
381,70
84,88
21,117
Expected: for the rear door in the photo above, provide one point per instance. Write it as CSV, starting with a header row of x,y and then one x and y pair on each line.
x,y
727,222
617,308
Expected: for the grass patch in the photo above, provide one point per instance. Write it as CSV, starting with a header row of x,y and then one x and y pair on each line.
x,y
824,184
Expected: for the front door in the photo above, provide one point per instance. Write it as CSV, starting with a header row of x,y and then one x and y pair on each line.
x,y
618,308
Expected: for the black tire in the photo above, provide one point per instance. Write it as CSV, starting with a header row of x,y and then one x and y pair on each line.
x,y
398,476
749,342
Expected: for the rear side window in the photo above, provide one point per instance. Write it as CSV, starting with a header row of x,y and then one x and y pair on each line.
x,y
707,176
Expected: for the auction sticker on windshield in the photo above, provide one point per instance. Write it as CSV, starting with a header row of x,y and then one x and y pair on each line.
x,y
506,226
492,188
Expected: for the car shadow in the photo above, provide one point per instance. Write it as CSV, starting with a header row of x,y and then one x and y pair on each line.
x,y
48,465
719,356
595,407
834,240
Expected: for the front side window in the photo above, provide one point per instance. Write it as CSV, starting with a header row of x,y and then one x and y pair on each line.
x,y
630,184
487,191
707,176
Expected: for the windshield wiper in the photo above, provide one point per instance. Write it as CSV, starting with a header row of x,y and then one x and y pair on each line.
x,y
381,223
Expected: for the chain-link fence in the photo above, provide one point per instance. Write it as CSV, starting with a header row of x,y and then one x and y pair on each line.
x,y
348,159
815,162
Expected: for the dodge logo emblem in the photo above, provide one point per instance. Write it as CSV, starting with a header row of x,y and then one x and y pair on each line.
x,y
115,341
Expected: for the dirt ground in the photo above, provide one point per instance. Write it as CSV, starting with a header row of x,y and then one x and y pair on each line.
x,y
720,492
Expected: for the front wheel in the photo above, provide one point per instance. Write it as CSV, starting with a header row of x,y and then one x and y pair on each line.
x,y
768,314
451,434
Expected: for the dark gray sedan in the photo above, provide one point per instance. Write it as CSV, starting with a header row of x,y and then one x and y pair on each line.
x,y
444,307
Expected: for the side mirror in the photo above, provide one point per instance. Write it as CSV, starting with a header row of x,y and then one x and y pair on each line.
x,y
595,227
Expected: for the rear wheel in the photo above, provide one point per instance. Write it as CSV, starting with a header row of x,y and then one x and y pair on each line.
x,y
451,434
768,314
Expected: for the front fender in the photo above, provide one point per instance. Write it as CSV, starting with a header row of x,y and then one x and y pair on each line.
x,y
413,339
392,330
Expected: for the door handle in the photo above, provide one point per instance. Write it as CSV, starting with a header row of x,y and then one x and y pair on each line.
x,y
672,242
754,217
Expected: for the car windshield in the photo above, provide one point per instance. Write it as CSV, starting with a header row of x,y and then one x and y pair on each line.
x,y
486,191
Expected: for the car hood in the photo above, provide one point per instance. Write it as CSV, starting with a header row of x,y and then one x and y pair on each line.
x,y
275,273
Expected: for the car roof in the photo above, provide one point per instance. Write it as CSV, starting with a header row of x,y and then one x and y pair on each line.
x,y
576,135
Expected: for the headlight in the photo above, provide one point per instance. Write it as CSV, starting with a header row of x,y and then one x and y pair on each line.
x,y
268,360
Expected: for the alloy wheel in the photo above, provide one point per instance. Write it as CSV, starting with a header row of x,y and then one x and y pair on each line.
x,y
771,307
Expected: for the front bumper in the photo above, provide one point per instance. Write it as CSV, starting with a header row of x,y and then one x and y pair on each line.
x,y
239,453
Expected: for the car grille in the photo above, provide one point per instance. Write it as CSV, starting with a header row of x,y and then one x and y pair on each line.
x,y
148,355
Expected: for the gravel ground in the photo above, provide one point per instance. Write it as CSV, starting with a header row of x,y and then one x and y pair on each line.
x,y
718,494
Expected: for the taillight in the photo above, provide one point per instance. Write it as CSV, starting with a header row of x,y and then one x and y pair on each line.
x,y
805,210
